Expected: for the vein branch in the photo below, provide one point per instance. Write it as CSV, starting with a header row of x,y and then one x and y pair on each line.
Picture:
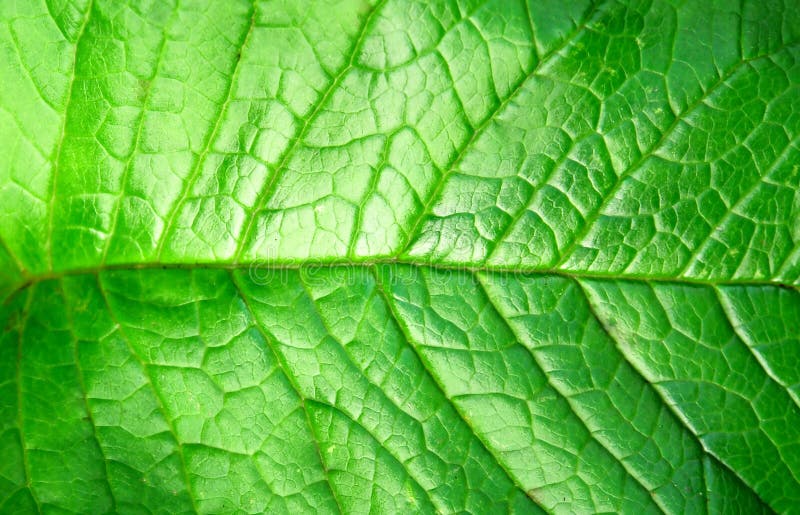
x,y
427,367
120,197
85,396
194,174
744,339
23,324
659,394
565,397
156,395
269,189
588,223
481,128
56,160
284,368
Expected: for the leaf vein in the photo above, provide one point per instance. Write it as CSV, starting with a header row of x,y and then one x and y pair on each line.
x,y
484,268
268,190
284,368
620,180
672,409
478,131
730,318
156,395
120,197
194,174
426,365
56,159
746,196
566,397
20,398
85,397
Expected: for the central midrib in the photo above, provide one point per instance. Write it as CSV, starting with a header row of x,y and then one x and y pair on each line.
x,y
463,268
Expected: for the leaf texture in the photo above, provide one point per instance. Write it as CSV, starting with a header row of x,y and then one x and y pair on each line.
x,y
467,256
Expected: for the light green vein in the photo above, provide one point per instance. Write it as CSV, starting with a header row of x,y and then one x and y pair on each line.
x,y
56,159
284,368
564,396
194,174
659,394
398,320
156,395
23,323
85,397
268,191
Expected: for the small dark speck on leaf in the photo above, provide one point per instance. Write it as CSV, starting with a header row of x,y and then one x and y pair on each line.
x,y
144,88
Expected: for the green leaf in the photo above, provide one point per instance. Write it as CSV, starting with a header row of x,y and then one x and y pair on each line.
x,y
399,256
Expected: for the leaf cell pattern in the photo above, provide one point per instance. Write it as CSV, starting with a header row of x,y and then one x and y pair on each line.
x,y
399,256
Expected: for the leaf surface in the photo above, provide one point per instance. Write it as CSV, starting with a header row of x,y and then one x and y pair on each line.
x,y
399,256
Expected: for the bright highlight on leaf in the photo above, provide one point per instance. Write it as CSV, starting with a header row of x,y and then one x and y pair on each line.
x,y
399,256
